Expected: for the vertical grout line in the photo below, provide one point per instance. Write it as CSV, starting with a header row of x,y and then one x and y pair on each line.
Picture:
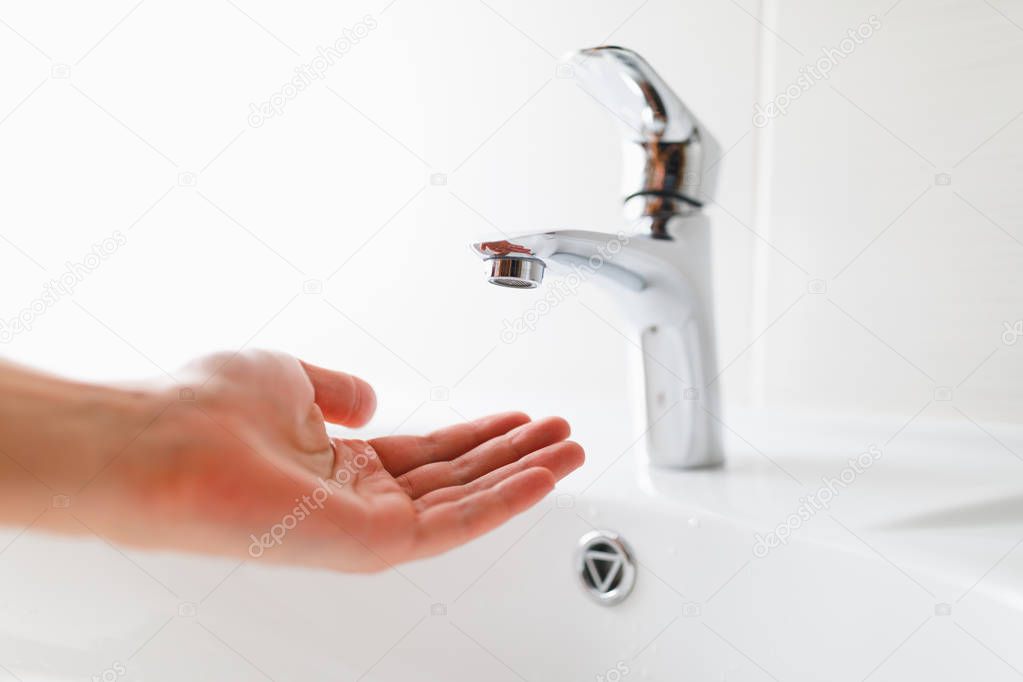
x,y
762,156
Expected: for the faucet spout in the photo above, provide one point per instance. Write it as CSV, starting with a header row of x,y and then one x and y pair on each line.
x,y
661,287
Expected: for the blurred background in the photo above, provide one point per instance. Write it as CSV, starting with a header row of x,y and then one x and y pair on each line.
x,y
866,230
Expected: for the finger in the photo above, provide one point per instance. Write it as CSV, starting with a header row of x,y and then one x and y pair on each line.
x,y
560,459
344,399
483,459
448,525
401,454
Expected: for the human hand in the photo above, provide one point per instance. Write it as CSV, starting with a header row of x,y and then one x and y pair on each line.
x,y
245,467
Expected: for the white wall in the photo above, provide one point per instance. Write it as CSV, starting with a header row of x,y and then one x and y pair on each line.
x,y
896,182
337,188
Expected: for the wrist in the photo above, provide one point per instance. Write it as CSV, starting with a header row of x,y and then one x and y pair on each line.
x,y
59,435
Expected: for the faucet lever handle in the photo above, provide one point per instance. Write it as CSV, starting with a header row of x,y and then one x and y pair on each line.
x,y
621,80
663,150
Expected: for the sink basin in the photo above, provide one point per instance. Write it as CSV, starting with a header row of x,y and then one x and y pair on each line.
x,y
910,569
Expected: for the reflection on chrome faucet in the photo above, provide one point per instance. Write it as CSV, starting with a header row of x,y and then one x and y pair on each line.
x,y
660,274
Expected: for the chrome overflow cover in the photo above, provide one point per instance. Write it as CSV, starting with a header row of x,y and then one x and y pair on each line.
x,y
606,568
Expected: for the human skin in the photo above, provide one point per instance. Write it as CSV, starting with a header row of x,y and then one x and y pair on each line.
x,y
235,459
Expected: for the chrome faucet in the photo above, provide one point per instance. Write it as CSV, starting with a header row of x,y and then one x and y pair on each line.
x,y
659,271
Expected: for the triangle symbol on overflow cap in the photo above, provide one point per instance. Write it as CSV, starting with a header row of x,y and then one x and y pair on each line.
x,y
603,568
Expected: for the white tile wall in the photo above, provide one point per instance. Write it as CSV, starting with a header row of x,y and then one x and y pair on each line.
x,y
894,182
337,189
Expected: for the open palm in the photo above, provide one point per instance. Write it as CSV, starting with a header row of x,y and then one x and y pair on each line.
x,y
422,495
253,470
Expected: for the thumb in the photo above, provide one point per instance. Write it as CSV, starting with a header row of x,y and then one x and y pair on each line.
x,y
343,398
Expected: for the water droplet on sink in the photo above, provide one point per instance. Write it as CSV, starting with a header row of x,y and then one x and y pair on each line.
x,y
592,512
694,522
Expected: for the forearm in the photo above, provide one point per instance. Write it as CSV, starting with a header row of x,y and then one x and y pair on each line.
x,y
56,435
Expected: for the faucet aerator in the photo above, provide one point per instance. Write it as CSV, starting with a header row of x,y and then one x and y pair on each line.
x,y
516,272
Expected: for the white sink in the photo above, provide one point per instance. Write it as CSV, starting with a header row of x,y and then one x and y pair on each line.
x,y
914,572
